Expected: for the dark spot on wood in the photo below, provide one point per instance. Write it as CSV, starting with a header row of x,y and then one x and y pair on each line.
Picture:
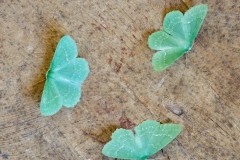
x,y
102,135
80,26
121,39
99,28
106,107
122,59
167,120
131,54
229,125
117,67
134,36
110,60
126,123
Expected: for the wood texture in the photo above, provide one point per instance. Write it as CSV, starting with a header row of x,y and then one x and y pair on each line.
x,y
201,90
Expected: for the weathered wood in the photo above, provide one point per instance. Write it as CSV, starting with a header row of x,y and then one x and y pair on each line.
x,y
112,35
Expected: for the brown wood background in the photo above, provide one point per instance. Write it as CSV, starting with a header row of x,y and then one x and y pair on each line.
x,y
200,91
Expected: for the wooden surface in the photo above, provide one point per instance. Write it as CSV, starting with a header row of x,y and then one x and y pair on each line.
x,y
200,91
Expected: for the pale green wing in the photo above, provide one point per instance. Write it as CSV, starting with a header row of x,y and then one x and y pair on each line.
x,y
143,134
66,75
150,136
122,145
193,20
69,80
153,136
163,59
51,101
66,51
76,71
173,25
179,32
70,92
162,40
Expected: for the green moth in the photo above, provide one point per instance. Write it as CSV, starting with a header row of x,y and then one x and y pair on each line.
x,y
64,78
146,139
177,36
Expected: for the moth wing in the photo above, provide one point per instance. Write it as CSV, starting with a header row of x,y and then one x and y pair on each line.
x,y
154,136
51,101
76,71
69,91
162,136
65,52
69,80
162,40
193,20
122,145
163,59
173,24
